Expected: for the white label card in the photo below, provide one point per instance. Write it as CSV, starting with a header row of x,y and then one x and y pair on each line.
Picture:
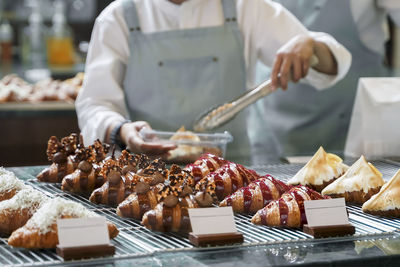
x,y
82,232
212,221
326,212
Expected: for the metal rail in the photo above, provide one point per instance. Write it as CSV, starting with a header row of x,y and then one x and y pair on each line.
x,y
134,240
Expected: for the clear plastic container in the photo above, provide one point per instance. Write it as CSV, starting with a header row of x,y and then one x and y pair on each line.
x,y
190,145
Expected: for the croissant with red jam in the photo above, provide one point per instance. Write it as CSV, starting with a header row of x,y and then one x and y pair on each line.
x,y
227,180
204,165
288,210
256,195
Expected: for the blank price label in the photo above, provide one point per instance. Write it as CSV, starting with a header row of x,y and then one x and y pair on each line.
x,y
82,232
212,220
326,212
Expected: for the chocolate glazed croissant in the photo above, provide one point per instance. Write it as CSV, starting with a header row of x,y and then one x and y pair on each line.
x,y
120,186
62,156
204,165
115,190
87,176
227,180
256,195
172,215
288,210
139,202
145,198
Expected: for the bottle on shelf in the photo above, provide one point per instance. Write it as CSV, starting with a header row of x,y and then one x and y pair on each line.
x,y
6,42
33,39
60,48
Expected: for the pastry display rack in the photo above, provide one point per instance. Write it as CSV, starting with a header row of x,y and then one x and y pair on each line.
x,y
134,240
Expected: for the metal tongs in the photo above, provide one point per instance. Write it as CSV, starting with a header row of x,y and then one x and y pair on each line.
x,y
222,114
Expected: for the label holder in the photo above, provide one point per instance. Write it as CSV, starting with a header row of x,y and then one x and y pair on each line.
x,y
320,228
85,252
204,232
81,238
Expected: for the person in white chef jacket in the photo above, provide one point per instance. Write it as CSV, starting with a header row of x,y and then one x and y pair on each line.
x,y
160,63
300,129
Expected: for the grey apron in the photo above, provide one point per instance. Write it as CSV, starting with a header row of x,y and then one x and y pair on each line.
x,y
301,119
173,76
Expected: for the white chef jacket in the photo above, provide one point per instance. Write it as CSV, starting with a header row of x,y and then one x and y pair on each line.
x,y
265,27
370,17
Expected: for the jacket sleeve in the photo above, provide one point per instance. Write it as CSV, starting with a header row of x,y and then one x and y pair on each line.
x,y
392,7
274,26
101,99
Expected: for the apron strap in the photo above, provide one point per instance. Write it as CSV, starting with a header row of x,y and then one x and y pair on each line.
x,y
229,7
131,15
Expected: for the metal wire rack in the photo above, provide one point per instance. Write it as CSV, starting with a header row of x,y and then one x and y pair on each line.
x,y
134,240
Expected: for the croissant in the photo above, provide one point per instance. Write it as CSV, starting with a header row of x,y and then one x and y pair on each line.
x,y
84,179
16,211
119,186
41,229
146,197
288,210
61,153
227,180
170,219
87,176
137,204
9,184
256,195
204,165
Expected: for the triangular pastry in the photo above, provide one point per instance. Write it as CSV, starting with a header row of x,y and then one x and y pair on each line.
x,y
9,184
387,201
41,229
322,169
16,211
361,181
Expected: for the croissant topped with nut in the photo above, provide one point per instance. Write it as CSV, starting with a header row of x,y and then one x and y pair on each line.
x,y
87,176
119,185
61,153
171,213
145,196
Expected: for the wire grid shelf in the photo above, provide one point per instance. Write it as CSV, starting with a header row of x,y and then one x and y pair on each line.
x,y
134,240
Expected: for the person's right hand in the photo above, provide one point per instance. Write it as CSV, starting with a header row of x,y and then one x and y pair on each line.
x,y
130,136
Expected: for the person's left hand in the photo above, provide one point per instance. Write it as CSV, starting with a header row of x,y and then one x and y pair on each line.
x,y
292,61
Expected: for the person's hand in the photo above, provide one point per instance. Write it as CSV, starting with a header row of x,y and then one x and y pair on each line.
x,y
292,61
130,136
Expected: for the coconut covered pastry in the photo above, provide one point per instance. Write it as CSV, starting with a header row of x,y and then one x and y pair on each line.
x,y
361,181
322,169
387,201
